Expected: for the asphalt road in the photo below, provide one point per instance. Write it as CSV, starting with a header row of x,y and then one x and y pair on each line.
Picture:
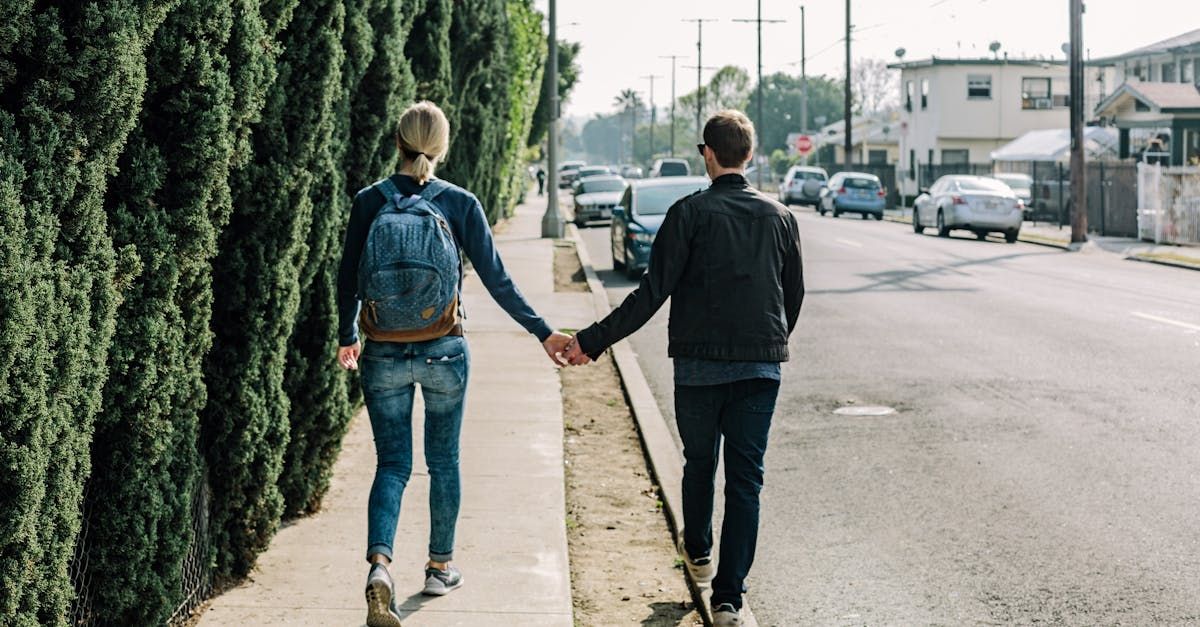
x,y
1043,465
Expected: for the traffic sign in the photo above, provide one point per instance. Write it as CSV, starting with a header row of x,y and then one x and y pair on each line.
x,y
804,145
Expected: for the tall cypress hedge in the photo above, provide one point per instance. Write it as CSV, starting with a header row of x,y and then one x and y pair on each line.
x,y
71,79
169,201
526,60
428,49
245,424
376,85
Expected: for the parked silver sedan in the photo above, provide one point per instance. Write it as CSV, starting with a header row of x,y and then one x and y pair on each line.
x,y
974,203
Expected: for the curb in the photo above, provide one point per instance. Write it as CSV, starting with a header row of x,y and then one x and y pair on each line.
x,y
1163,262
666,462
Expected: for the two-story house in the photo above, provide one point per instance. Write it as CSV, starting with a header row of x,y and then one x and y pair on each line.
x,y
1156,104
955,112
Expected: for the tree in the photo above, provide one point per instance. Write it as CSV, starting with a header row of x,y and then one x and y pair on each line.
x,y
876,88
782,95
629,102
245,425
428,50
568,75
72,77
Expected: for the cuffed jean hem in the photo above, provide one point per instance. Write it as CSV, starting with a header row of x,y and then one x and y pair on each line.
x,y
441,557
379,549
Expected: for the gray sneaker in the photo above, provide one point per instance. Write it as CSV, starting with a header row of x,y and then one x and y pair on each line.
x,y
440,582
701,569
726,615
381,599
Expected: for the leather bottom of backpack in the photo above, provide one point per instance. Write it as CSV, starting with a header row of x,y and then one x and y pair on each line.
x,y
445,324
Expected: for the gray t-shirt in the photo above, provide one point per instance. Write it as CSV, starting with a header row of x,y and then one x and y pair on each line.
x,y
691,371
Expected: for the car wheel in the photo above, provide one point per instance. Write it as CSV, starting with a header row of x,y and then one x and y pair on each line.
x,y
877,216
943,230
1011,236
836,213
916,222
862,216
981,235
821,210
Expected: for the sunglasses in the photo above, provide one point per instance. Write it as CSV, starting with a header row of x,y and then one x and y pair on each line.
x,y
700,147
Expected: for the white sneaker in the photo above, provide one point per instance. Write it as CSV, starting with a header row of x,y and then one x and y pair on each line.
x,y
440,582
702,569
726,615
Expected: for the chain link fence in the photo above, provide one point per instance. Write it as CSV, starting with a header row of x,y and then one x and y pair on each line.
x,y
1169,204
197,564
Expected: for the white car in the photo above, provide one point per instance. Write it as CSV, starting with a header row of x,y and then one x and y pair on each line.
x,y
979,204
802,185
595,197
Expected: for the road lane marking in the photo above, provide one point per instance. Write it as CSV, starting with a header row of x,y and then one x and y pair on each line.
x,y
1183,325
848,243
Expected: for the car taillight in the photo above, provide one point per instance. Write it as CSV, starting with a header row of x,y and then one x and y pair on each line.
x,y
958,200
882,193
842,190
1020,204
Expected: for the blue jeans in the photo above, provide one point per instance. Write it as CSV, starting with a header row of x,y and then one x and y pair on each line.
x,y
389,374
740,412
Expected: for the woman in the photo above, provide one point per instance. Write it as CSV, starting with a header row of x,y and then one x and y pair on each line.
x,y
391,368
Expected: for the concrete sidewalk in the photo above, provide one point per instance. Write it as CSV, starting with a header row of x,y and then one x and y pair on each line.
x,y
512,545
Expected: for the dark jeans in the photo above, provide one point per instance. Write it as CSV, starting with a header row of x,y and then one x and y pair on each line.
x,y
390,372
740,412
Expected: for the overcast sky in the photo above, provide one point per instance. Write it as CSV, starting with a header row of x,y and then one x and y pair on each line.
x,y
622,39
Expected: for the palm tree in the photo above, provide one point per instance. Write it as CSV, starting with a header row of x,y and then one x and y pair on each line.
x,y
630,101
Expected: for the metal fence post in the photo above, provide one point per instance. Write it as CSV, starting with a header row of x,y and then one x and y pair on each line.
x,y
1062,208
1103,202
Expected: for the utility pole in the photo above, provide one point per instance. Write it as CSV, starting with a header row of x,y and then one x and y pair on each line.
x,y
653,112
762,124
803,81
552,225
699,68
846,109
1078,175
673,58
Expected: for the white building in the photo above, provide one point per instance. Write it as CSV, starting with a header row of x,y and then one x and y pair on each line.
x,y
955,112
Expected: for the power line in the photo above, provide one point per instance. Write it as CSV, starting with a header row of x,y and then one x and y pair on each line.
x,y
673,58
759,21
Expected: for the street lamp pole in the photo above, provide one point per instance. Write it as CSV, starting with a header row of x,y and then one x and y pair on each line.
x,y
653,112
803,80
699,68
552,225
846,109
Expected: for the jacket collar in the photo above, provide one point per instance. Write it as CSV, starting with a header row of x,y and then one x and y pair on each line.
x,y
731,179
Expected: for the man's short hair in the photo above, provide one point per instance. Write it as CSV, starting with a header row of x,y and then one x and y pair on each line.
x,y
730,135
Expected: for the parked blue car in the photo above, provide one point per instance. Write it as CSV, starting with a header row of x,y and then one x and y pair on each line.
x,y
635,220
853,192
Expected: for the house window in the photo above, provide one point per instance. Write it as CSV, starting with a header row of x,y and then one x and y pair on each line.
x,y
924,93
1168,72
1138,105
1186,75
979,86
956,157
1137,70
1035,93
876,157
908,95
1060,92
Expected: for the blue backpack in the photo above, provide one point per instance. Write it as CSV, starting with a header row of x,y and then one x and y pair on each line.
x,y
410,273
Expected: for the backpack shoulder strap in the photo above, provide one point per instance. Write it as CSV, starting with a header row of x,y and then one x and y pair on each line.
x,y
433,188
388,189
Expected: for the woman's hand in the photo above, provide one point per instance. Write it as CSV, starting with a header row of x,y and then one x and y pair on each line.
x,y
555,346
347,356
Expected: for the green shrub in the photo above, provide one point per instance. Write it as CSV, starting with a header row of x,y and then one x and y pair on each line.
x,y
256,281
71,81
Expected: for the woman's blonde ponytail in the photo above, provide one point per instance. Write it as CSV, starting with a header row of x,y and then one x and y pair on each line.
x,y
424,137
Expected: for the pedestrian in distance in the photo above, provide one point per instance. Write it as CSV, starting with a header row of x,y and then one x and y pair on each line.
x,y
728,257
400,282
541,179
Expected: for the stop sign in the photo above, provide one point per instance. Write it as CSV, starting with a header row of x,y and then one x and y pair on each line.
x,y
804,145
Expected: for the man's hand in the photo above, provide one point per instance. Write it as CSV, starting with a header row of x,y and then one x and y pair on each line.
x,y
347,356
555,346
575,355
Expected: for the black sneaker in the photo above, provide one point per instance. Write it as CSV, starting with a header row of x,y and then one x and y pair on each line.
x,y
440,582
726,615
381,599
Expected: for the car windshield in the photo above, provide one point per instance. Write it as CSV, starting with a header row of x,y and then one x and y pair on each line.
x,y
655,200
860,183
592,171
808,176
982,185
673,168
603,185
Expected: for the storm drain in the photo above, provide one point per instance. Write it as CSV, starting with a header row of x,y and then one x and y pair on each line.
x,y
864,410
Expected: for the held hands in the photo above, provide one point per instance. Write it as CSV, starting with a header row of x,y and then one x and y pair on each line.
x,y
564,350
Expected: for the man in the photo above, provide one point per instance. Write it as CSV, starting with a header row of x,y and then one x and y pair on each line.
x,y
729,259
541,179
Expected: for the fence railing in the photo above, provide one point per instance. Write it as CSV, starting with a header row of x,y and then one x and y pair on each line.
x,y
1168,202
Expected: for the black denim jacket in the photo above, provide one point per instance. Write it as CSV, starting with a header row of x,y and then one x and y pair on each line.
x,y
729,259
